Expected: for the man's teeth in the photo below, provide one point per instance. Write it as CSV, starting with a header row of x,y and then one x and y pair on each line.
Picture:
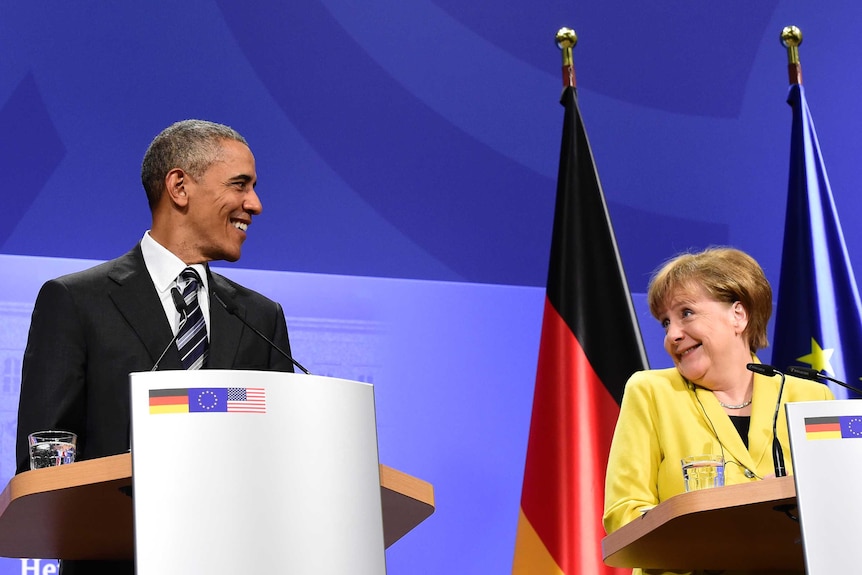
x,y
240,226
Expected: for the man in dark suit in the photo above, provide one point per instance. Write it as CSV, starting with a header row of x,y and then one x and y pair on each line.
x,y
91,329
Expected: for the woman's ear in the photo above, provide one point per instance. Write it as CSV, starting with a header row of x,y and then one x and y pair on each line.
x,y
740,316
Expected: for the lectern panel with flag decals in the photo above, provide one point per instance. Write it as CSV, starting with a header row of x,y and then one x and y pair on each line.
x,y
826,443
255,472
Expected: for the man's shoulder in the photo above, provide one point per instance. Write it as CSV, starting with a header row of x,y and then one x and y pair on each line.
x,y
99,273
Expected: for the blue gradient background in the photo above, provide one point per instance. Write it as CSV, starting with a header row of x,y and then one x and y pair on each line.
x,y
407,154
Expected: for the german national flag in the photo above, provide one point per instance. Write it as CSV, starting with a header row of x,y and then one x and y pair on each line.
x,y
169,401
590,345
835,427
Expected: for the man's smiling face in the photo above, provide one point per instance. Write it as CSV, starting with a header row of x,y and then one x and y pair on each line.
x,y
221,203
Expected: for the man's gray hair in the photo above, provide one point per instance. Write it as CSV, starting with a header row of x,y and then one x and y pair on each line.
x,y
191,145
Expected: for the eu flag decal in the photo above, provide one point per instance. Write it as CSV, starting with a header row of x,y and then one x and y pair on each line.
x,y
208,400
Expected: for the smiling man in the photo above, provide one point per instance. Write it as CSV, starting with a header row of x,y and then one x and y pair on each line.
x,y
91,329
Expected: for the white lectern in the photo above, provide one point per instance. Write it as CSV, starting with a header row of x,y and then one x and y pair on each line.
x,y
826,443
246,471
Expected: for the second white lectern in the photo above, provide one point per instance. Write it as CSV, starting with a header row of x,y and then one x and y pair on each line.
x,y
247,471
826,443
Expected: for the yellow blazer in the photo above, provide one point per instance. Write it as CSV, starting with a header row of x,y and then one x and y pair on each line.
x,y
663,419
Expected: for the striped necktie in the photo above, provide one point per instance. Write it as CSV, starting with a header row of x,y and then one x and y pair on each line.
x,y
192,336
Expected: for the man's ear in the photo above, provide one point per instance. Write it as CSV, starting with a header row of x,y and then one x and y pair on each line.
x,y
175,187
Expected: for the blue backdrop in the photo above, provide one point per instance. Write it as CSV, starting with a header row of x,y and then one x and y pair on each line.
x,y
419,139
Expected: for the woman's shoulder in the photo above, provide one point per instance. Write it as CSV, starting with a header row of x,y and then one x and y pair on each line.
x,y
798,389
656,379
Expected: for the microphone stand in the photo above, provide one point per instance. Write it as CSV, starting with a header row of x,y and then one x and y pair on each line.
x,y
180,304
230,307
777,452
814,375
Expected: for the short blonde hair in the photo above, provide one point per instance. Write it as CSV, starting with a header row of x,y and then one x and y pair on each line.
x,y
728,275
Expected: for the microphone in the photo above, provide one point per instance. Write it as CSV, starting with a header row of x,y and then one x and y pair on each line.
x,y
180,304
762,369
777,453
230,307
814,375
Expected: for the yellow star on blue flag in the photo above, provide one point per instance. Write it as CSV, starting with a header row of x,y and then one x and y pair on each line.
x,y
819,358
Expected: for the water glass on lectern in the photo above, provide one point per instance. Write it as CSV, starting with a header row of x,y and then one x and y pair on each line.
x,y
52,448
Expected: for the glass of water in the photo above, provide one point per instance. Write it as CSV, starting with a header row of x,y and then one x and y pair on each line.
x,y
703,472
51,448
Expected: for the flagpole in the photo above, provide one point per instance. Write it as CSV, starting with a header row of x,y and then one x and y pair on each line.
x,y
566,40
791,38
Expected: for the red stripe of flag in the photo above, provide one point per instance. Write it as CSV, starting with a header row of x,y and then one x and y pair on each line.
x,y
170,400
811,427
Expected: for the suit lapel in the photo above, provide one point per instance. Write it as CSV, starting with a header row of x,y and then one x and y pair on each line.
x,y
135,296
225,331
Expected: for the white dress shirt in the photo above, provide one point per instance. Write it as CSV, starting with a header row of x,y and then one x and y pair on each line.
x,y
164,269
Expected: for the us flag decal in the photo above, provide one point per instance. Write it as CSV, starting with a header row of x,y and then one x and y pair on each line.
x,y
246,400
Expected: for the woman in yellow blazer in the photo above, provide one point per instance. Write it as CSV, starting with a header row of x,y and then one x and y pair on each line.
x,y
714,307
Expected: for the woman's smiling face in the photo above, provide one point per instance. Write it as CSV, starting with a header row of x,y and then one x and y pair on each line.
x,y
702,334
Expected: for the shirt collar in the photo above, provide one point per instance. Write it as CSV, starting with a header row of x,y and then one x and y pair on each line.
x,y
164,267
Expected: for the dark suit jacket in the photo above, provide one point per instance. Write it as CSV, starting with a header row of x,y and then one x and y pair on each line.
x,y
91,329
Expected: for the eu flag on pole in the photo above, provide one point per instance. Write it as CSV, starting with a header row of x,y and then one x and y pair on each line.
x,y
819,318
590,344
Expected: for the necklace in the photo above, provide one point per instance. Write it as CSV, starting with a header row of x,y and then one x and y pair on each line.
x,y
740,406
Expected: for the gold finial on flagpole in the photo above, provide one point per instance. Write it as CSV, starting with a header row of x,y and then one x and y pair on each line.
x,y
791,38
566,40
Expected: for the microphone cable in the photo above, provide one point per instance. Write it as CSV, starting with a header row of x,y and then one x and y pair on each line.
x,y
180,304
746,471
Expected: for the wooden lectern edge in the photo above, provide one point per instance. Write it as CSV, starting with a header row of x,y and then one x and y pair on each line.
x,y
396,488
112,468
118,467
771,489
399,516
408,485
